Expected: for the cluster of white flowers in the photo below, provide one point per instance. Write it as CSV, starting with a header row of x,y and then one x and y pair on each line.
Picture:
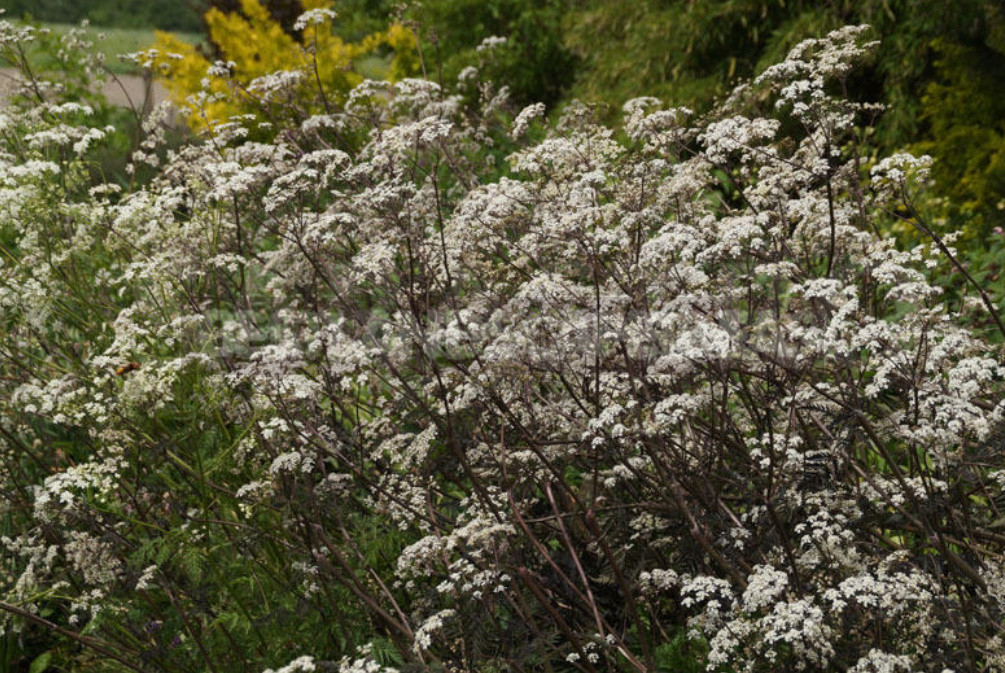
x,y
523,120
314,17
492,42
432,624
303,664
364,663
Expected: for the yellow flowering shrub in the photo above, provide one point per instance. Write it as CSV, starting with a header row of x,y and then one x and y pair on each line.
x,y
253,45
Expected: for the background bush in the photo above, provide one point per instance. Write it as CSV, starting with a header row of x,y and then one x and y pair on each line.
x,y
250,45
176,15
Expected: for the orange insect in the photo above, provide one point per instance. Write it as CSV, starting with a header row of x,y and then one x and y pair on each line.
x,y
122,370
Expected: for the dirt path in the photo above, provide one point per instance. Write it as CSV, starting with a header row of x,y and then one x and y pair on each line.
x,y
123,90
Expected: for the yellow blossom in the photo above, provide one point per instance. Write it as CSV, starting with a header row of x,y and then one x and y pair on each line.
x,y
253,45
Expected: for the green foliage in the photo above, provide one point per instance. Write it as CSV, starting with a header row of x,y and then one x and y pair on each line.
x,y
686,52
534,63
359,18
966,136
163,14
40,663
681,654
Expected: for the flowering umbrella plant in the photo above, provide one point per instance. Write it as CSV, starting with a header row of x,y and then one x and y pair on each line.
x,y
424,382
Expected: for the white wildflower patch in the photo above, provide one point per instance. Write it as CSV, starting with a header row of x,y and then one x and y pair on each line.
x,y
412,365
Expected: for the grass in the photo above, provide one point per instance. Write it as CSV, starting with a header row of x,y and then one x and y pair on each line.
x,y
115,41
